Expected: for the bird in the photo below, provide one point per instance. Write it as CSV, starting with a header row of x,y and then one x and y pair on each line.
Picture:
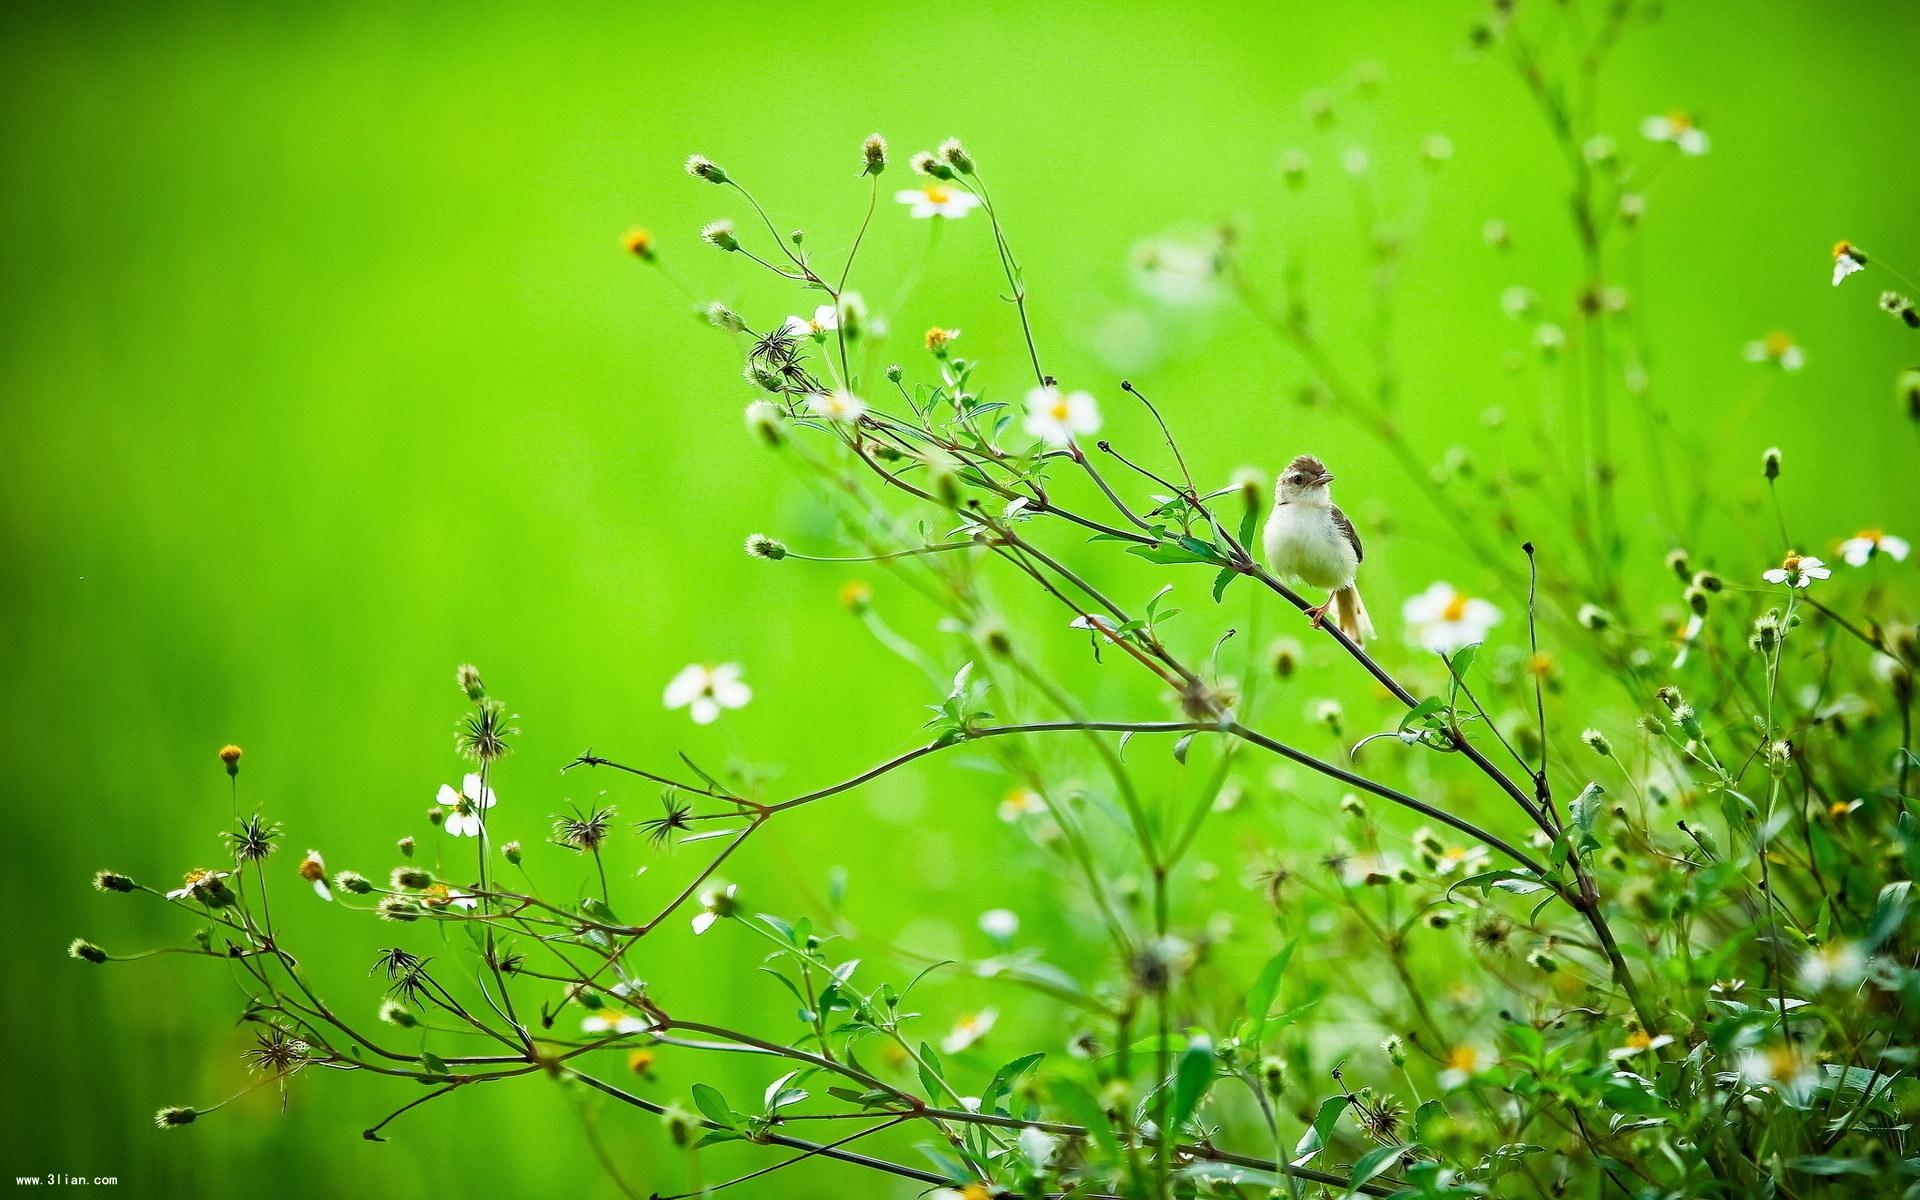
x,y
1309,540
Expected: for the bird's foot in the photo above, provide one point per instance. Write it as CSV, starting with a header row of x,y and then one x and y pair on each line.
x,y
1318,614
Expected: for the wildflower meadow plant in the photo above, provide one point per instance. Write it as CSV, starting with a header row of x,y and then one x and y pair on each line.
x,y
1649,936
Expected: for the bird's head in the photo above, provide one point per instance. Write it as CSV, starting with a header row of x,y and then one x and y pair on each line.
x,y
1304,482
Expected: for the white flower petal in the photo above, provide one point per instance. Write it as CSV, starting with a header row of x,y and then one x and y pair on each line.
x,y
689,683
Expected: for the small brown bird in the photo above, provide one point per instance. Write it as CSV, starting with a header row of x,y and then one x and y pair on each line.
x,y
1309,540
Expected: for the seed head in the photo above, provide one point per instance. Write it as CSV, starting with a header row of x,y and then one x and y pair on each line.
x,y
723,318
252,841
1680,564
512,853
352,882
874,151
720,234
395,1013
112,881
1770,463
1593,617
86,951
701,167
583,830
482,734
1597,742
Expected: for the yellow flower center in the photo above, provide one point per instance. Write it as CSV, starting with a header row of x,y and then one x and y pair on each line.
x,y
1639,1039
1540,664
1679,121
937,194
1778,343
1060,411
1843,250
1456,608
1870,535
1838,808
1791,562
1463,1058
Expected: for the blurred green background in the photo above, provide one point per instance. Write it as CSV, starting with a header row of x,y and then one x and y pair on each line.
x,y
323,372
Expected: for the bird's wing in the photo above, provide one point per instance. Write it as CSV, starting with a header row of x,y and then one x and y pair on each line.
x,y
1345,527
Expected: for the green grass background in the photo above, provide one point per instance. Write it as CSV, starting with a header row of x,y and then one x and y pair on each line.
x,y
321,372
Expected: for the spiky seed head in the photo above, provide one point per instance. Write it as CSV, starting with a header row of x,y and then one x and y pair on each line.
x,y
86,951
176,1116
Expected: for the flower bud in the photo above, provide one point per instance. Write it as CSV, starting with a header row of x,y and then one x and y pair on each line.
x,y
1597,742
1285,657
874,152
86,951
720,234
856,597
767,422
1593,617
1540,960
395,1013
955,155
512,853
1770,463
759,545
1353,806
1696,599
112,881
1680,564
701,167
405,845
1273,1075
468,677
230,755
894,373
1395,1050
352,882
926,164
1906,386
176,1116
411,878
639,243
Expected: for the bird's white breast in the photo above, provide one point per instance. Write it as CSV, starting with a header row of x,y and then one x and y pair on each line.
x,y
1303,543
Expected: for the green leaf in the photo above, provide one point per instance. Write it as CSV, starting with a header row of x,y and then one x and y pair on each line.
x,y
931,1075
1265,987
1316,1138
712,1104
1191,1078
433,1064
1220,582
1005,1077
1373,1164
1889,913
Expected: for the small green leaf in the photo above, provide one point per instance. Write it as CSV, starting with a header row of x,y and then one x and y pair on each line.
x,y
712,1104
1265,987
1191,1078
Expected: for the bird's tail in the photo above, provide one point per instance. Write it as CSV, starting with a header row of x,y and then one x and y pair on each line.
x,y
1351,615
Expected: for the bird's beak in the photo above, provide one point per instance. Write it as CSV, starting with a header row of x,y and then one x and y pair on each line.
x,y
1326,477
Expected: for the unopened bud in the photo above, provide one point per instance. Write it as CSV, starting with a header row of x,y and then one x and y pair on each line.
x,y
701,167
1770,463
874,151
